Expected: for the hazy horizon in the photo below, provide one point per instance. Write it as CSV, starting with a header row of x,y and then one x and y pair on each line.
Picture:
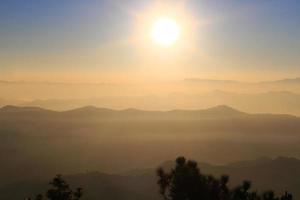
x,y
252,97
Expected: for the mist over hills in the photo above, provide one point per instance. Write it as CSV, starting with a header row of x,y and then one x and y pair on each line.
x,y
279,102
46,142
281,173
275,97
191,93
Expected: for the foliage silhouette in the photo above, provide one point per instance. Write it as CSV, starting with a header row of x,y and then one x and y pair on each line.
x,y
185,182
60,191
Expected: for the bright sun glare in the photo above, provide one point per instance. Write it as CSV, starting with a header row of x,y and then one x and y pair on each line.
x,y
165,31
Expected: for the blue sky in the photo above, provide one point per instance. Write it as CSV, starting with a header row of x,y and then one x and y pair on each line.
x,y
247,35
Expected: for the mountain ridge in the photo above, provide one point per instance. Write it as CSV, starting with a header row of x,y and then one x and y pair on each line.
x,y
13,108
219,110
90,108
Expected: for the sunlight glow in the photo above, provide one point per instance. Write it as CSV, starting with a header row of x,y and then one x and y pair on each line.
x,y
165,31
164,34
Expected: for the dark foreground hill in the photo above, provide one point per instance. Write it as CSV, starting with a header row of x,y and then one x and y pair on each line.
x,y
280,174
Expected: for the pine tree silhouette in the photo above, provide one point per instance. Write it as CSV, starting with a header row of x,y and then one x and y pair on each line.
x,y
185,182
60,191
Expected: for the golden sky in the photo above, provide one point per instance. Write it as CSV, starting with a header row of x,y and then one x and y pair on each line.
x,y
110,41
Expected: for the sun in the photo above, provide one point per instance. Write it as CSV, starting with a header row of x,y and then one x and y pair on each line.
x,y
165,31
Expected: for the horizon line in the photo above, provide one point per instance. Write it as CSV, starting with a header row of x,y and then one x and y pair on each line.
x,y
113,83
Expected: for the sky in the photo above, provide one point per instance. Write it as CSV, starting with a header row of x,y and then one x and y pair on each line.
x,y
107,40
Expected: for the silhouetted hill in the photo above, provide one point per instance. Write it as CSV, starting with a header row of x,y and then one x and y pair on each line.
x,y
247,163
225,117
15,112
223,110
281,173
92,112
17,109
89,111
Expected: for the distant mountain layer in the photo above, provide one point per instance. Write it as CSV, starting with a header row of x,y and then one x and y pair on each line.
x,y
91,111
276,102
216,119
280,174
126,93
215,112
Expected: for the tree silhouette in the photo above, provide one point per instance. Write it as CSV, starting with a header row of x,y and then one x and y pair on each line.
x,y
185,182
60,191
